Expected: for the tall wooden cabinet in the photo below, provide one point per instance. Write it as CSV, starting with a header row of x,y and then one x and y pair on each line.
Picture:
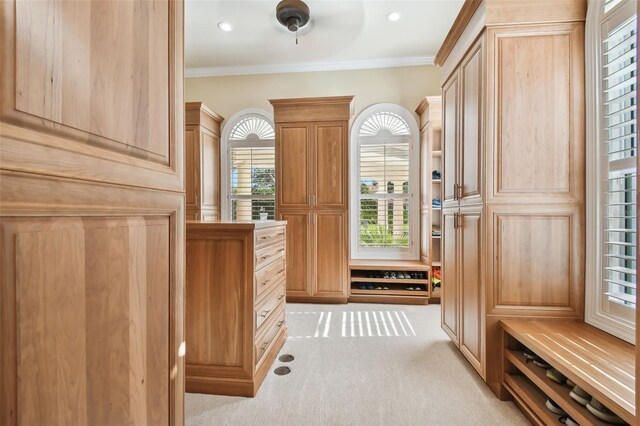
x,y
312,143
91,213
202,162
513,173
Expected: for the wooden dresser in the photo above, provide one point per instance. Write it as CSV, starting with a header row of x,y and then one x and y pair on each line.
x,y
235,304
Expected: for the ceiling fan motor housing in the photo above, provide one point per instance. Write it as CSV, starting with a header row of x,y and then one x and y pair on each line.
x,y
293,14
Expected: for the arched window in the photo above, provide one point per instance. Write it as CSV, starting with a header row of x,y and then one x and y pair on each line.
x,y
612,151
384,179
248,166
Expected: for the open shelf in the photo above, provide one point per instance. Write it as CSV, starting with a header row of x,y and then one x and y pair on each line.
x,y
528,396
359,271
393,281
391,292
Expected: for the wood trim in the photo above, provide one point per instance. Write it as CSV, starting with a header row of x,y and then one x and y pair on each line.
x,y
197,113
468,9
330,108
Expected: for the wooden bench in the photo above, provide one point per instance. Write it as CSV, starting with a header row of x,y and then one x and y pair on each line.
x,y
599,363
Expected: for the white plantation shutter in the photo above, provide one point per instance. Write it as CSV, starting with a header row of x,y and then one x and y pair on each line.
x,y
251,169
619,151
385,177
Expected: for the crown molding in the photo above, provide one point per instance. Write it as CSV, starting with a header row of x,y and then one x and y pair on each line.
x,y
309,67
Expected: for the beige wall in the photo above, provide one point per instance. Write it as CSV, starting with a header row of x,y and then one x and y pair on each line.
x,y
405,86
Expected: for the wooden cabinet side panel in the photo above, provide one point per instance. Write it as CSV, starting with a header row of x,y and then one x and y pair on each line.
x,y
449,139
330,248
330,159
89,294
210,172
471,288
293,175
192,166
450,302
297,253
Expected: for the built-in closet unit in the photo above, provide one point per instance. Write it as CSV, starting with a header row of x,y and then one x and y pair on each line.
x,y
92,213
202,162
513,173
312,143
430,113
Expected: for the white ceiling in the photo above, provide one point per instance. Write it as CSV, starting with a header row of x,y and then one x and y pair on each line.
x,y
342,34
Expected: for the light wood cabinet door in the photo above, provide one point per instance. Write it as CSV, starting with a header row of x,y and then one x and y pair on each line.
x,y
330,157
330,248
298,252
192,165
210,170
470,149
471,286
293,174
449,140
450,301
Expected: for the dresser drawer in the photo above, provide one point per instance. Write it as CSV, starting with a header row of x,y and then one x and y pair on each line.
x,y
268,276
265,341
268,306
268,254
267,236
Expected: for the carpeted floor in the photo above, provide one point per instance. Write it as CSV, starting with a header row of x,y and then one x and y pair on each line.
x,y
363,364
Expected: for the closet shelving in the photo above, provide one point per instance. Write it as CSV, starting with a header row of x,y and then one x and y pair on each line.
x,y
363,272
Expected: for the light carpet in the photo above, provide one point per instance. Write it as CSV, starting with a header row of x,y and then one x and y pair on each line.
x,y
363,364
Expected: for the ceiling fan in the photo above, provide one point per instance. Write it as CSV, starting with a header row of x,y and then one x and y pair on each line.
x,y
293,14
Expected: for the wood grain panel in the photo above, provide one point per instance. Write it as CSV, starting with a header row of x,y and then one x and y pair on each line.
x,y
298,266
331,273
210,173
192,167
472,127
450,293
87,336
534,260
471,288
539,140
449,139
535,11
59,79
216,289
292,171
330,165
301,110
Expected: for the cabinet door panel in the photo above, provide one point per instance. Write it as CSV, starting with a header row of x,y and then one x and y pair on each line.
x,y
449,139
449,302
471,116
210,175
292,170
471,289
330,269
192,166
298,265
330,164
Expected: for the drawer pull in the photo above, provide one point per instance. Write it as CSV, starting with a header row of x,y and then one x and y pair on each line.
x,y
265,345
279,324
281,296
265,257
280,271
265,313
281,251
266,282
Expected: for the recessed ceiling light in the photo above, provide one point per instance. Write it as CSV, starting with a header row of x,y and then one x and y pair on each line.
x,y
225,26
393,16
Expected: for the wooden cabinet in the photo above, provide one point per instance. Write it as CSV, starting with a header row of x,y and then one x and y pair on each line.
x,y
235,291
312,151
91,213
513,180
202,162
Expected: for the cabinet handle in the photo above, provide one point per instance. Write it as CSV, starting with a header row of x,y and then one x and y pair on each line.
x,y
460,189
265,345
281,296
460,221
265,313
265,282
455,221
455,191
279,324
313,200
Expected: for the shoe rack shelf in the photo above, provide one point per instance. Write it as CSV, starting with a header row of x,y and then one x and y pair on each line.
x,y
396,292
598,363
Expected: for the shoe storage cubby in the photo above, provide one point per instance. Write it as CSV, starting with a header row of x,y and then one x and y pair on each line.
x,y
601,365
403,282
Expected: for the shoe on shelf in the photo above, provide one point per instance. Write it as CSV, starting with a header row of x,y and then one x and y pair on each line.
x,y
603,413
369,286
385,274
568,421
401,275
385,288
436,203
378,288
554,408
392,275
529,355
570,383
435,175
539,362
556,376
579,395
409,288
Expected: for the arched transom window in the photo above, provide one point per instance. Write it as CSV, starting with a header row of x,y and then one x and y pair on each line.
x,y
384,219
249,167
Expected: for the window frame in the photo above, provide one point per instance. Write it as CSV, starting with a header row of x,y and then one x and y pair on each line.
x,y
225,158
385,253
595,313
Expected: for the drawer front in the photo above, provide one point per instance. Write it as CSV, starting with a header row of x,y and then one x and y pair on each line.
x,y
268,254
267,236
269,306
265,341
267,277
